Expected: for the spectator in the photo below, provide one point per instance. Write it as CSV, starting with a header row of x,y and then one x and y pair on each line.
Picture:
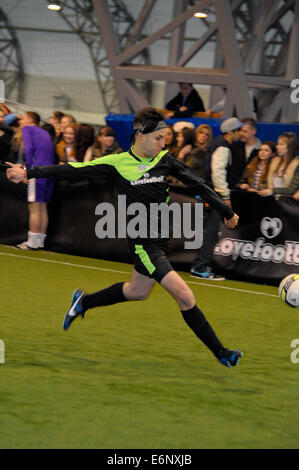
x,y
65,120
170,139
65,149
38,151
15,154
84,139
244,151
255,175
185,139
51,129
185,142
204,135
195,159
105,144
283,174
55,120
185,103
2,115
215,171
6,134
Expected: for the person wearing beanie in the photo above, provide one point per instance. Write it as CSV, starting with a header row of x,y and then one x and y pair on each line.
x,y
215,165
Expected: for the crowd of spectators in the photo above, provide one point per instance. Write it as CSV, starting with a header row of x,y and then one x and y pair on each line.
x,y
242,161
234,160
28,142
247,164
72,141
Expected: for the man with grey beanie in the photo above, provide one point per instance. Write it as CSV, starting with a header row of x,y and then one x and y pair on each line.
x,y
216,161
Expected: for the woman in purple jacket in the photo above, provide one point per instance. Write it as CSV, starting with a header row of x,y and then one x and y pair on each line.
x,y
38,150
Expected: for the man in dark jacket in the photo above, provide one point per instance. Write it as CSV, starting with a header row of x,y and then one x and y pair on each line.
x,y
243,151
216,161
185,103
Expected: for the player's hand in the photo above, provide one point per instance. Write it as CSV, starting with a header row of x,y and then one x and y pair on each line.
x,y
233,222
15,173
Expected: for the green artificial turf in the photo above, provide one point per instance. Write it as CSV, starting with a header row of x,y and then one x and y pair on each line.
x,y
133,376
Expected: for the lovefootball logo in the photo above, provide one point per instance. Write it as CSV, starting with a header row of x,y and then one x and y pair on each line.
x,y
270,228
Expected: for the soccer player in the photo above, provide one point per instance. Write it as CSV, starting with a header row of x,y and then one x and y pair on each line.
x,y
141,174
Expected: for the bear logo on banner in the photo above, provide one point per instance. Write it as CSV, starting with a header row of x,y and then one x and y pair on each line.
x,y
270,228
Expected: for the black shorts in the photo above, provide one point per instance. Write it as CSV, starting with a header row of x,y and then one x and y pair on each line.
x,y
151,261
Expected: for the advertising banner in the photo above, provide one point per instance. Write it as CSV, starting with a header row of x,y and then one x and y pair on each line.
x,y
265,245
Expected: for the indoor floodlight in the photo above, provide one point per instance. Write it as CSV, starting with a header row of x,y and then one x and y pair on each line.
x,y
200,14
54,6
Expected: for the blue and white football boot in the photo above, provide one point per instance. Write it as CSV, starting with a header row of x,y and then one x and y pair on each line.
x,y
75,309
230,358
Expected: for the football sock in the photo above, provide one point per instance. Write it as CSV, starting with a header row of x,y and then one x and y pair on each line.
x,y
196,320
41,240
32,239
109,296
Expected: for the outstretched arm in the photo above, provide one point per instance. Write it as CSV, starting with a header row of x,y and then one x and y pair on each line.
x,y
90,170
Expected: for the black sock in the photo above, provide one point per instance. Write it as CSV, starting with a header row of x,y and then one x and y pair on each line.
x,y
109,296
196,320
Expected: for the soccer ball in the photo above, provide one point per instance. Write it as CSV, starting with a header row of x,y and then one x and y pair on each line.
x,y
289,290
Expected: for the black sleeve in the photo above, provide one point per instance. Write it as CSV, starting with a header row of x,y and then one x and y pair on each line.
x,y
199,104
68,171
199,187
175,103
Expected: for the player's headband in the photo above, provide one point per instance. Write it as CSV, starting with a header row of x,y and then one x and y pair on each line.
x,y
156,126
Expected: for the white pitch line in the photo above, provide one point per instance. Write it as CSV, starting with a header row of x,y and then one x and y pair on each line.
x,y
232,288
129,273
65,263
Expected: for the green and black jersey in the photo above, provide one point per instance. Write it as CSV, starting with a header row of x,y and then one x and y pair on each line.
x,y
141,180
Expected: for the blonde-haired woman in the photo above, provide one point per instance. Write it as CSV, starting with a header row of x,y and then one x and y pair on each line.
x,y
204,135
